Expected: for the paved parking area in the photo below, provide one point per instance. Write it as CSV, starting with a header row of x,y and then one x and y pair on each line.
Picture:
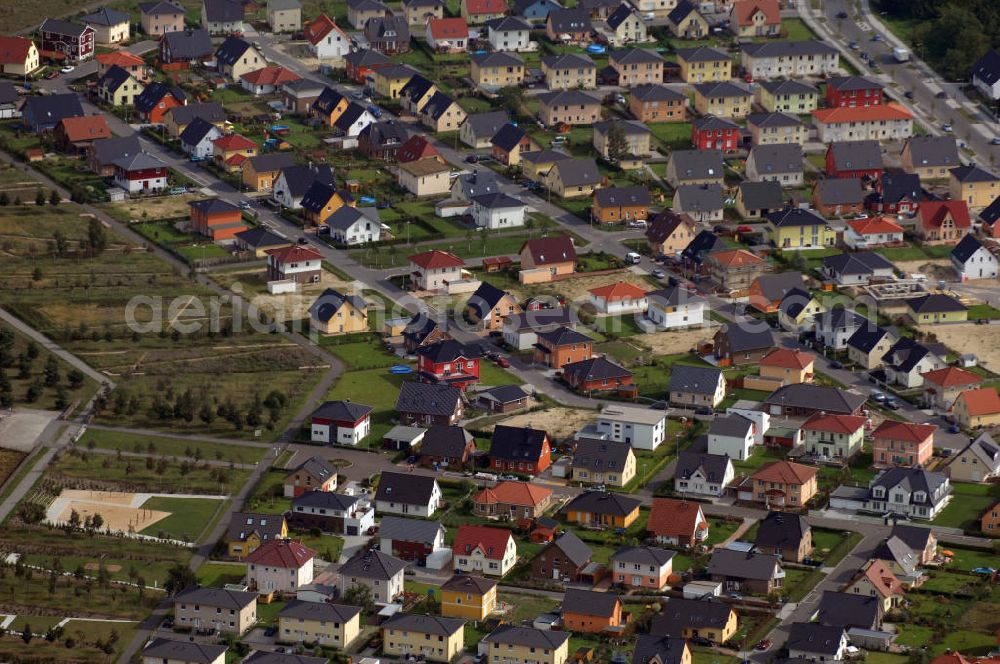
x,y
20,429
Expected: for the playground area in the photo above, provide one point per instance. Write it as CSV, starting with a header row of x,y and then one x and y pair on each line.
x,y
131,513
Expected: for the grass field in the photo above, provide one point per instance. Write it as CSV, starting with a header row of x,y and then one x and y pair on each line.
x,y
967,504
160,445
189,517
215,574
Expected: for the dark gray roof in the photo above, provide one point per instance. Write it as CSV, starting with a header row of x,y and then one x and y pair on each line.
x,y
223,11
656,92
792,217
912,480
437,105
154,93
62,27
563,335
679,614
987,68
620,15
788,87
526,636
517,443
643,555
485,125
477,183
189,44
845,83
107,150
405,488
840,318
232,49
497,201
775,286
329,303
209,111
702,54
508,24
778,158
486,297
712,122
393,28
105,16
866,338
601,455
916,537
351,114
335,410
183,651
196,131
158,8
895,550
742,339
694,379
602,502
972,173
243,524
574,548
934,303
568,98
764,195
730,425
786,49
498,59
51,109
612,196
409,530
367,57
662,649
933,151
300,178
422,624
636,56
856,155
508,137
445,441
698,164
839,191
574,172
388,132
794,302
372,564
8,93
966,248
569,61
743,564
266,657
896,186
860,262
906,354
630,127
346,216
698,198
504,393
674,296
569,20
326,500
591,602
721,89
712,466
848,610
216,597
540,320
138,161
321,611
782,530
986,451
683,9
773,120
596,368
818,397
815,638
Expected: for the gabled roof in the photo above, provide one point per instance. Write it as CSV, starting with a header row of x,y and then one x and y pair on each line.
x,y
485,6
867,337
138,161
698,198
398,528
721,89
436,259
673,296
491,542
630,127
787,358
766,195
286,554
620,15
508,137
485,299
488,123
833,423
341,411
575,172
819,397
212,206
316,30
424,624
106,16
596,368
569,61
777,158
981,401
107,150
664,224
506,633
815,638
498,59
874,225
986,450
159,8
448,28
785,472
197,131
449,350
550,250
367,58
745,10
933,213
508,24
469,583
698,164
120,58
842,609
933,303
575,549
85,128
275,75
733,426
590,602
234,142
776,285
743,564
694,379
839,191
568,98
713,123
477,183
660,649
987,68
951,377
601,455
912,480
848,83
428,399
517,443
331,301
712,466
405,488
325,500
183,651
670,517
372,564
50,109
569,20
683,9
61,27
933,151
416,148
741,339
243,524
222,11
780,530
895,550
269,163
643,555
792,305
189,44
881,578
856,155
602,502
209,111
14,50
787,49
966,248
841,114
679,614
504,394
972,173
232,49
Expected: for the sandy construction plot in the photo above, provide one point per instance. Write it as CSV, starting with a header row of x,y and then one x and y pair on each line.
x,y
970,338
120,511
671,342
291,306
937,268
557,422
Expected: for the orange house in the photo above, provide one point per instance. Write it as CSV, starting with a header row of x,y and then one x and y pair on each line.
x,y
131,63
617,205
562,346
329,106
768,290
217,219
232,150
990,522
592,612
156,100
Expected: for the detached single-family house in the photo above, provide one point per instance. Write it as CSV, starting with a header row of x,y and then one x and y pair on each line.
x,y
677,522
979,461
833,436
695,386
279,566
603,462
382,573
977,408
930,157
786,535
486,550
404,493
731,436
703,474
973,260
752,571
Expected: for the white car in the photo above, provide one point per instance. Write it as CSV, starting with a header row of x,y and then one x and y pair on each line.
x,y
67,69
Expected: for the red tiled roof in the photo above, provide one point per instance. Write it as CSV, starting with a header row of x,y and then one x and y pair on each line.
x,y
514,493
14,50
294,254
882,578
834,423
745,9
982,401
286,554
622,290
672,517
448,28
430,260
121,58
234,142
273,75
880,113
736,258
315,32
414,149
951,376
932,213
236,160
787,358
874,225
86,128
785,472
491,541
485,7
908,431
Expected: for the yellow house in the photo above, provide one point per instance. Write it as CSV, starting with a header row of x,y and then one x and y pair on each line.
x,y
417,92
936,308
787,96
602,508
437,639
573,178
492,71
20,56
468,596
725,99
325,624
603,462
536,164
708,619
512,644
796,315
977,408
796,228
389,81
320,202
248,530
686,22
442,113
569,71
704,65
974,185
336,313
776,129
118,87
261,172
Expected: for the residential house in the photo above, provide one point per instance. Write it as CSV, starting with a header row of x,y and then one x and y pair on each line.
x,y
592,612
536,10
618,205
653,102
267,80
527,644
812,642
731,436
568,26
637,66
417,148
159,18
975,186
562,560
652,648
73,41
873,232
747,571
481,11
231,150
989,522
479,128
736,346
638,140
477,183
836,197
340,422
429,403
484,550
359,12
216,218
597,374
284,15
890,121
492,71
322,623
509,143
768,290
573,178
380,572
624,26
781,163
985,74
704,64
853,92
603,462
548,257
110,26
643,567
140,173
382,140
561,346
248,531
774,128
835,326
389,35
198,137
335,313
279,566
510,33
432,270
790,59
570,107
642,428
979,461
875,579
513,500
133,64
941,386
861,267
854,159
468,596
103,152
236,57
569,71
971,259
410,539
936,308
18,56
75,135
294,182
422,330
798,228
326,39
787,96
489,307
329,512
447,35
930,157
755,200
797,312
520,450
705,617
734,269
712,133
977,408
703,474
686,22
433,638
695,167
449,362
427,177
442,113
227,611
896,193
402,493
907,361
833,436
913,492
848,610
694,386
675,307
669,233
902,443
321,201
602,508
725,99
943,222
677,522
785,535
159,650
755,18
183,47
868,345
784,484
222,17
503,398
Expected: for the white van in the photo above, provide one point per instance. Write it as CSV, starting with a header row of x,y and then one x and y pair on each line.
x,y
633,258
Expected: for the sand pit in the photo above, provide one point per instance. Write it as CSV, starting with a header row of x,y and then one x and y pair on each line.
x,y
671,342
557,422
120,511
969,338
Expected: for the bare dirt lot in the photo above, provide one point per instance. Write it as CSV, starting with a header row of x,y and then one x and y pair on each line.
x,y
557,422
934,269
119,510
671,342
291,306
969,338
153,208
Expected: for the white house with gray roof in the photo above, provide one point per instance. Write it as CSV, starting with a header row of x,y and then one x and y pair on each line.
x,y
777,59
351,226
498,211
781,163
479,128
695,167
702,202
382,573
813,642
642,428
695,386
731,436
703,474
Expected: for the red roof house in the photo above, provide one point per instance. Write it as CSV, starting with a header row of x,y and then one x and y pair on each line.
x,y
267,79
299,264
448,34
673,521
130,62
76,134
280,566
489,551
902,443
416,148
18,56
756,18
480,11
943,222
621,297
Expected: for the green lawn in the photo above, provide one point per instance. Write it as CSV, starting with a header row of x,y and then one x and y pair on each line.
x,y
967,642
967,504
831,546
370,354
216,574
267,496
672,135
719,530
491,374
188,517
983,311
160,445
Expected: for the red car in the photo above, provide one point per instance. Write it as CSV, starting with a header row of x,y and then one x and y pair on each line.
x,y
52,74
763,645
503,363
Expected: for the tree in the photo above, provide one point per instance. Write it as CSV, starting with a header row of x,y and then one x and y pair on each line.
x,y
26,634
55,198
36,274
74,520
4,199
40,197
97,522
62,245
51,371
75,378
360,595
617,142
97,237
179,577
511,98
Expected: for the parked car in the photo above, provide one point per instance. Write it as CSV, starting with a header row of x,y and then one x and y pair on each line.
x,y
995,140
842,15
658,273
947,127
271,631
891,403
942,95
877,396
703,410
503,363
834,364
67,69
908,94
763,644
853,45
